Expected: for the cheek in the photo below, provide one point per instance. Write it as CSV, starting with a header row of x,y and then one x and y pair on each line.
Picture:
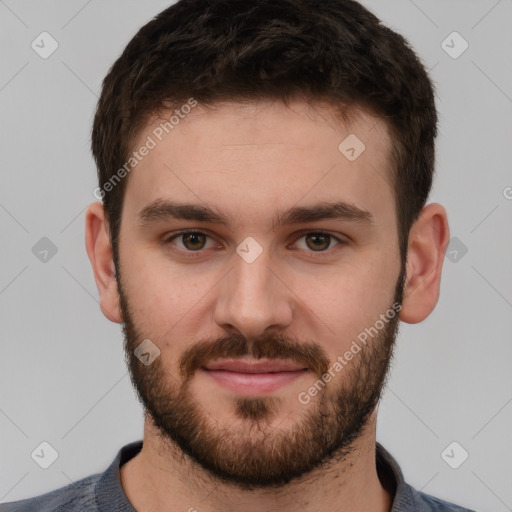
x,y
345,301
162,295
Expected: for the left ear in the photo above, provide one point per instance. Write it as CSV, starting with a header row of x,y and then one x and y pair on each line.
x,y
428,240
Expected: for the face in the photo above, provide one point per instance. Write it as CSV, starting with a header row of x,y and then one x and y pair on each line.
x,y
261,269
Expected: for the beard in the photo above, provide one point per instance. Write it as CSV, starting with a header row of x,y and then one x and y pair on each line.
x,y
252,454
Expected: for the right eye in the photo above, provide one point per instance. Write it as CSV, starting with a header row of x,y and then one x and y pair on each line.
x,y
192,241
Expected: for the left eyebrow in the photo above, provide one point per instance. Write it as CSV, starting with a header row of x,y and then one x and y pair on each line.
x,y
323,211
161,210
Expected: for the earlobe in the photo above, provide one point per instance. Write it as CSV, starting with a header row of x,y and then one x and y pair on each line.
x,y
428,240
100,254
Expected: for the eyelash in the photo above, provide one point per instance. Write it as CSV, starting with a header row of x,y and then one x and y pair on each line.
x,y
199,253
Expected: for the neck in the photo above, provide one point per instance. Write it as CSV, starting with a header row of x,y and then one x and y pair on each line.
x,y
162,478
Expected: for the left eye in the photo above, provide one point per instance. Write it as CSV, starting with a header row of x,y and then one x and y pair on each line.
x,y
194,241
319,240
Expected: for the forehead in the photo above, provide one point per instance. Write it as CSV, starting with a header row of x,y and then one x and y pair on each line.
x,y
259,157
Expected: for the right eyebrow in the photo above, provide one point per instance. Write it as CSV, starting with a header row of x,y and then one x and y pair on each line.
x,y
162,210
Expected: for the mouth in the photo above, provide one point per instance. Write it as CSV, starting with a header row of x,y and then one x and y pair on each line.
x,y
254,366
253,377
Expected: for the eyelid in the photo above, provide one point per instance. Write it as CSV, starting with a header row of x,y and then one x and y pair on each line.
x,y
338,236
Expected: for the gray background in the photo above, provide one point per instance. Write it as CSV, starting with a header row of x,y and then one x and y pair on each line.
x,y
62,374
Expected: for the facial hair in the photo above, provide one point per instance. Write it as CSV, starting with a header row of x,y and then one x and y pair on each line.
x,y
258,456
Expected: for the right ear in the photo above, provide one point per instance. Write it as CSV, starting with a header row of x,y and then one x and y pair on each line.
x,y
100,253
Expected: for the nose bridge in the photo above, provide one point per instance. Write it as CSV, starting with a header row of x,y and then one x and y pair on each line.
x,y
251,297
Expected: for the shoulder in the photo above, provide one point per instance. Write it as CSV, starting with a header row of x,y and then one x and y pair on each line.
x,y
75,497
427,503
406,497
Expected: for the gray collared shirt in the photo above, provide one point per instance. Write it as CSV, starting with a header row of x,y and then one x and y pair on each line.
x,y
103,492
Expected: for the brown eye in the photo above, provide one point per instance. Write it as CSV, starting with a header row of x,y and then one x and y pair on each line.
x,y
194,241
189,241
318,241
319,244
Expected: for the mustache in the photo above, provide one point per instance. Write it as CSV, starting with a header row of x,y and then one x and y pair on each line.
x,y
271,346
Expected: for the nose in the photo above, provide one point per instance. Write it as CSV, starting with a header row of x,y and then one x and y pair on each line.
x,y
253,297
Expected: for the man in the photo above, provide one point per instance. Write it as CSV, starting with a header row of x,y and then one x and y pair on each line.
x,y
264,169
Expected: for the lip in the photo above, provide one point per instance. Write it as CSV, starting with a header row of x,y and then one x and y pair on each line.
x,y
255,366
253,378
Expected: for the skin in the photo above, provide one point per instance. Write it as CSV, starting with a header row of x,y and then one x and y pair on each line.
x,y
251,161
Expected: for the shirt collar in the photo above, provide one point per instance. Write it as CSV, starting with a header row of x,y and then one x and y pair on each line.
x,y
110,494
403,497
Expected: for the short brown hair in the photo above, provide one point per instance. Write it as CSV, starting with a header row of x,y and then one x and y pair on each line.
x,y
214,50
